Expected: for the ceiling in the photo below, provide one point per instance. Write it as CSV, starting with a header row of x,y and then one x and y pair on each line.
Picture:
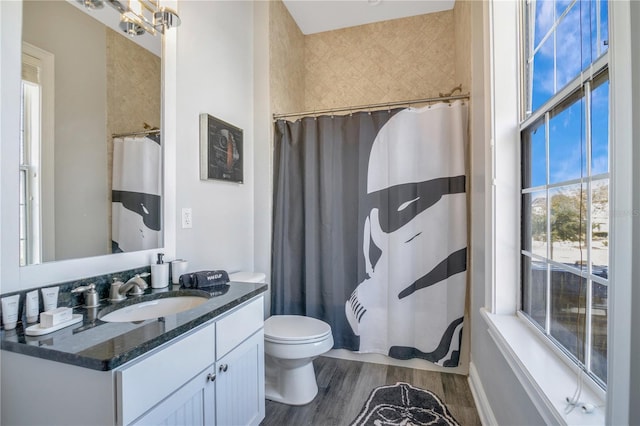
x,y
314,16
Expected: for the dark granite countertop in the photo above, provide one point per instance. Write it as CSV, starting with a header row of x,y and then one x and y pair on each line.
x,y
100,345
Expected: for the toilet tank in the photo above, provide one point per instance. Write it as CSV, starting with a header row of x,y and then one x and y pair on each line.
x,y
255,277
248,277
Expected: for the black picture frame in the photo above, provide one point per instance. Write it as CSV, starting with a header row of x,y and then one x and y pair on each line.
x,y
221,150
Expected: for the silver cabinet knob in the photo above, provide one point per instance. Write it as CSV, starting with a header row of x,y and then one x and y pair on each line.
x,y
211,377
223,367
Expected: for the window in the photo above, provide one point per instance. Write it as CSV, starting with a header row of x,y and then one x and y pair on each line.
x,y
565,177
30,167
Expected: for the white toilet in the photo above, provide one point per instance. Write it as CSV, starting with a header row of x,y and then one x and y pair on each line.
x,y
291,343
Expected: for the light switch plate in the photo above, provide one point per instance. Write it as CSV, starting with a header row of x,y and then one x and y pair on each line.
x,y
187,217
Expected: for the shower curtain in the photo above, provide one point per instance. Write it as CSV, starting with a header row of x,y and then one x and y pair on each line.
x,y
136,193
369,229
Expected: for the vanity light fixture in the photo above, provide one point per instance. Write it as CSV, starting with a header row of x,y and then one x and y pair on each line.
x,y
130,28
138,16
92,4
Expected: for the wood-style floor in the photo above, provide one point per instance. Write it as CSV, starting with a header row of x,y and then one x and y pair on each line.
x,y
344,386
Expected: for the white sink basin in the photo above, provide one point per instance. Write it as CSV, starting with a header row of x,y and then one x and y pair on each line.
x,y
153,309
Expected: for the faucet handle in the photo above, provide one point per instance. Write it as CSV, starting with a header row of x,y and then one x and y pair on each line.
x,y
82,288
90,295
114,291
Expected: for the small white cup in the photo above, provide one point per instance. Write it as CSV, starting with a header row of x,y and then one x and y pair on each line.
x,y
178,267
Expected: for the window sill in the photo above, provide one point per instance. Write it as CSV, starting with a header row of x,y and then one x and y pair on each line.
x,y
544,376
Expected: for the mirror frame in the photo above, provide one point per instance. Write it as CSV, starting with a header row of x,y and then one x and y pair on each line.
x,y
12,276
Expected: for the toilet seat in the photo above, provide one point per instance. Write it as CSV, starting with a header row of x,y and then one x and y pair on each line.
x,y
295,330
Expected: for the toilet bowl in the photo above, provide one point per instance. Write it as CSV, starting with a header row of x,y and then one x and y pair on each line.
x,y
291,343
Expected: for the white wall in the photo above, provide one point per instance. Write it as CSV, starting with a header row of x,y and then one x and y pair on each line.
x,y
624,328
10,48
263,145
215,75
635,349
634,415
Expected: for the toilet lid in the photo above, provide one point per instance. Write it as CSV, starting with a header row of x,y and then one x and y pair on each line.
x,y
292,328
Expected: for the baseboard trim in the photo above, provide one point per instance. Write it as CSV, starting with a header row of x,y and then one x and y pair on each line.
x,y
487,418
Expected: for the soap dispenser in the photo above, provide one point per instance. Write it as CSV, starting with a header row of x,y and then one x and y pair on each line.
x,y
160,273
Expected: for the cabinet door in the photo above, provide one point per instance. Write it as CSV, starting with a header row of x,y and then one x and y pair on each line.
x,y
146,382
240,384
192,404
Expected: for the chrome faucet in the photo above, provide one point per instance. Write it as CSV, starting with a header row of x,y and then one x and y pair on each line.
x,y
138,280
135,286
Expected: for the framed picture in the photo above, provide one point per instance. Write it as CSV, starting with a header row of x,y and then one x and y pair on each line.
x,y
221,151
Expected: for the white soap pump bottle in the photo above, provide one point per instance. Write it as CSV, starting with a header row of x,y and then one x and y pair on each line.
x,y
160,273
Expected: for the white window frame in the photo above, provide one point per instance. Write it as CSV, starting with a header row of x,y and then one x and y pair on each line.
x,y
44,208
30,179
520,347
582,80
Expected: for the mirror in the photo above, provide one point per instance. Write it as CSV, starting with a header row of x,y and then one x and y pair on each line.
x,y
84,82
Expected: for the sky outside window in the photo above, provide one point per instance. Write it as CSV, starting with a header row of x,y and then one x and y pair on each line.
x,y
568,48
566,144
561,52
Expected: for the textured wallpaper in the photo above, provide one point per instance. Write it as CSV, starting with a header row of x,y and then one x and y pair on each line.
x,y
387,61
462,20
133,85
395,60
286,56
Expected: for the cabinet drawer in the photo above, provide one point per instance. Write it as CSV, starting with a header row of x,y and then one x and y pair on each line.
x,y
237,326
145,383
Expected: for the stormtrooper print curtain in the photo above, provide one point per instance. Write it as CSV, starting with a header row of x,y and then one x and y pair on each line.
x,y
136,200
369,230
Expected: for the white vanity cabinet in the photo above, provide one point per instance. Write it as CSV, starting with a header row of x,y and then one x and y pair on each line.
x,y
212,375
227,392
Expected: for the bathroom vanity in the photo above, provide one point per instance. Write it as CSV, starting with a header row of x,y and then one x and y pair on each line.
x,y
203,366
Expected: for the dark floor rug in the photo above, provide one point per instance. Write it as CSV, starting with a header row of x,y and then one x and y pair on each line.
x,y
403,404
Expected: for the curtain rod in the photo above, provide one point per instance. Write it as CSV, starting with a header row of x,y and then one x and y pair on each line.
x,y
144,132
370,106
